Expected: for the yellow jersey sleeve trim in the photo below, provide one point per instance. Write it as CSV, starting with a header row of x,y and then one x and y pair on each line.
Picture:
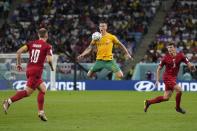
x,y
25,47
115,40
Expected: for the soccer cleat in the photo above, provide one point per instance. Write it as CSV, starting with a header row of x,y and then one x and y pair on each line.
x,y
6,106
42,116
146,105
180,110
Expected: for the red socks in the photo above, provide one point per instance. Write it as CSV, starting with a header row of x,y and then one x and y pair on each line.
x,y
19,95
178,99
161,99
156,100
40,100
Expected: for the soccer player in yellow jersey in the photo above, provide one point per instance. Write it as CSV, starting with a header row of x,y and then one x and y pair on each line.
x,y
104,55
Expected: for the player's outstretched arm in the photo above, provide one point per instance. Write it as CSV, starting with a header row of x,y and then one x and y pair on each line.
x,y
18,57
49,60
86,51
127,55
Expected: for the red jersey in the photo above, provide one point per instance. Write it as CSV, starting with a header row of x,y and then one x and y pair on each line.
x,y
172,64
38,50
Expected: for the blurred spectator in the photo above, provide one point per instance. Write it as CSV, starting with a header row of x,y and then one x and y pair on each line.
x,y
187,76
129,73
149,75
193,58
4,8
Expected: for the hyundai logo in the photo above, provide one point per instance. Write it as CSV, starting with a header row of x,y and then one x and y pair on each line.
x,y
19,85
144,86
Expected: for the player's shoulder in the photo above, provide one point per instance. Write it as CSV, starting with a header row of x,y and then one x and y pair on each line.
x,y
48,44
45,44
30,42
110,34
166,57
180,53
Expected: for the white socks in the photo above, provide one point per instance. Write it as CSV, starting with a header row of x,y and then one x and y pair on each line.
x,y
9,101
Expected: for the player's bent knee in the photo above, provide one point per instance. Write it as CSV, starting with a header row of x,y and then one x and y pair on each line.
x,y
178,90
119,74
29,91
28,94
42,88
43,91
91,74
166,98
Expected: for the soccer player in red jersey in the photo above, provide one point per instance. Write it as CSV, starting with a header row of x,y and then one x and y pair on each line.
x,y
172,62
38,51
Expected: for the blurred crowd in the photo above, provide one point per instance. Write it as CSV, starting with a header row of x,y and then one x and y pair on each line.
x,y
179,27
71,23
5,8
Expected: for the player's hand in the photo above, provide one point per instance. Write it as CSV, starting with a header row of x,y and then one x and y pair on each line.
x,y
80,57
193,68
156,83
19,68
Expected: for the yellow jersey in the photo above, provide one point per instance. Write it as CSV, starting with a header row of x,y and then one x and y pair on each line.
x,y
105,46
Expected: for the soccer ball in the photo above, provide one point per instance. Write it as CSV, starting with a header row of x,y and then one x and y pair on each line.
x,y
96,36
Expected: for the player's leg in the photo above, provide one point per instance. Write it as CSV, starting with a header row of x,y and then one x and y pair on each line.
x,y
178,99
19,95
118,75
113,66
99,65
91,74
40,99
165,97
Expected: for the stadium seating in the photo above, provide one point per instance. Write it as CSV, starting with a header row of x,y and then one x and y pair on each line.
x,y
179,27
71,22
5,8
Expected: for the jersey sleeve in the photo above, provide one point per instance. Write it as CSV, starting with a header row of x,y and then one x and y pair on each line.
x,y
28,45
115,40
184,59
49,51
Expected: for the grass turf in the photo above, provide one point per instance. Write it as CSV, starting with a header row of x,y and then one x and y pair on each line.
x,y
99,111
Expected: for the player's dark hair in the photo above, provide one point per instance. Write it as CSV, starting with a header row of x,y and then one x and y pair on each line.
x,y
42,32
171,44
103,21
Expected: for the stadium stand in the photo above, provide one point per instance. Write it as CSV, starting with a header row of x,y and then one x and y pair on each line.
x,y
179,27
5,8
72,22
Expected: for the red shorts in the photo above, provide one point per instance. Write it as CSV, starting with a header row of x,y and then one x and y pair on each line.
x,y
169,82
34,78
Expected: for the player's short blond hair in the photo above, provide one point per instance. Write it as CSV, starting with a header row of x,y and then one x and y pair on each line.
x,y
42,32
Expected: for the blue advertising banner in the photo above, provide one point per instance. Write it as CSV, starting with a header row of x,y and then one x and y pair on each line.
x,y
134,85
4,85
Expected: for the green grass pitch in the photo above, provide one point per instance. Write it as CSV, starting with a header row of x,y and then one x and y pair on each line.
x,y
99,111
